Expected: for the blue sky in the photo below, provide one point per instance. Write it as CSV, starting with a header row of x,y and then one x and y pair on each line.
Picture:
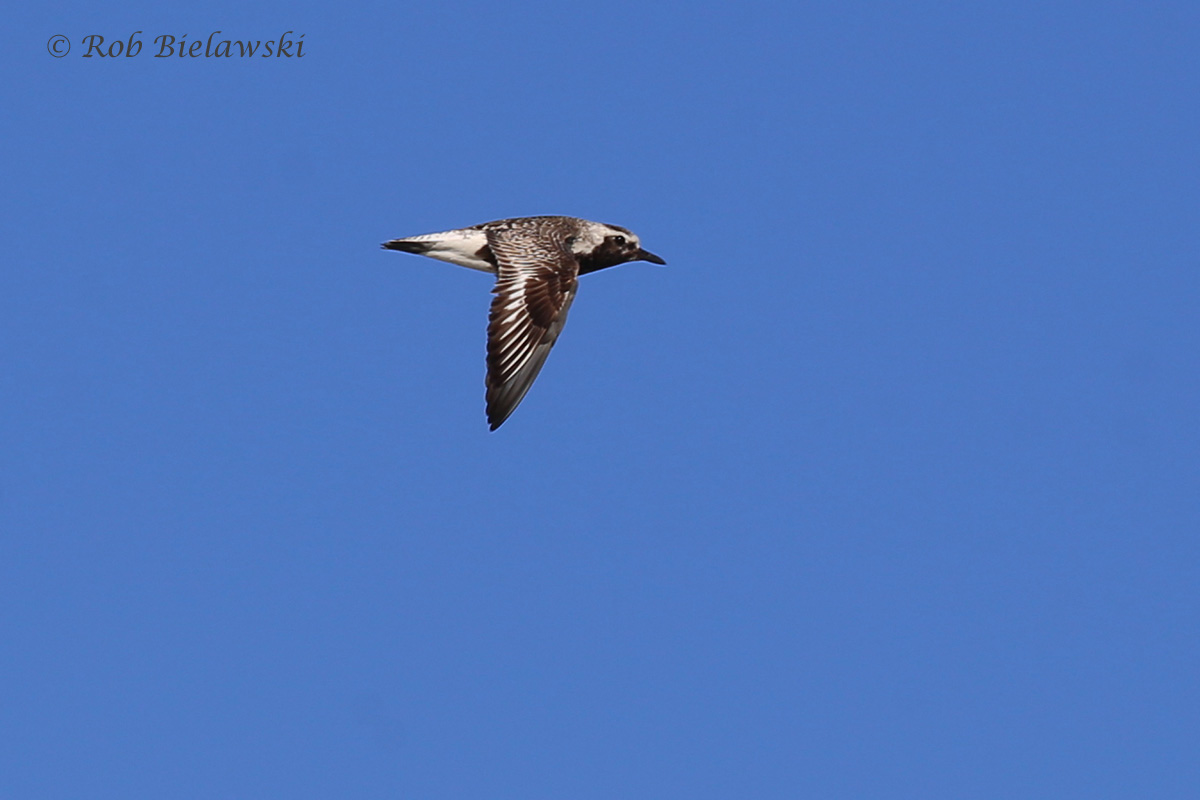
x,y
887,486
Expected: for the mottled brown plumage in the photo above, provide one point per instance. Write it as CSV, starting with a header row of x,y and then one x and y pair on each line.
x,y
537,261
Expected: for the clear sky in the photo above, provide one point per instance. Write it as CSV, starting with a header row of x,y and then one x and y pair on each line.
x,y
888,486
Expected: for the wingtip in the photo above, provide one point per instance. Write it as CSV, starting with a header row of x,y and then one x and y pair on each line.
x,y
496,418
500,408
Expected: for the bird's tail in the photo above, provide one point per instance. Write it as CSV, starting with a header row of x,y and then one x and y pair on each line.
x,y
408,246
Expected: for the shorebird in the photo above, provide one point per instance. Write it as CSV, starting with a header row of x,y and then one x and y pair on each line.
x,y
536,261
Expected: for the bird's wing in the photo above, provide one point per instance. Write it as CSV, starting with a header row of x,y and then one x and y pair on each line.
x,y
535,286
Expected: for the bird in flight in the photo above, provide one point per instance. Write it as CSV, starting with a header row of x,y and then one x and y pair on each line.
x,y
536,261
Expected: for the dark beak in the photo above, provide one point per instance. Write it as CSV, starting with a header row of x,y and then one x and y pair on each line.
x,y
643,255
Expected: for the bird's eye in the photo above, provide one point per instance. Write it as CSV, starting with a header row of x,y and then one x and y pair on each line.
x,y
620,240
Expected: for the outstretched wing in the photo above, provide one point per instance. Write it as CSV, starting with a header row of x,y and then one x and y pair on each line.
x,y
534,289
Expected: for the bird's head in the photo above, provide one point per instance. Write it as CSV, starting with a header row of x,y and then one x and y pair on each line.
x,y
602,246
